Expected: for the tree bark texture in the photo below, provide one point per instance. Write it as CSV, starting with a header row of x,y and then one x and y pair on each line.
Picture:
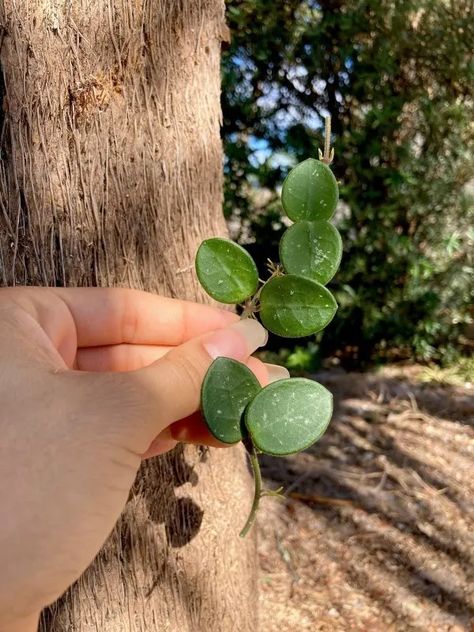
x,y
110,174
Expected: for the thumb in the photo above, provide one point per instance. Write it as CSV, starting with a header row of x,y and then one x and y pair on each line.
x,y
170,388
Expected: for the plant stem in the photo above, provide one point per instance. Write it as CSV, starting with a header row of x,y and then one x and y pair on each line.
x,y
327,138
328,155
257,475
253,302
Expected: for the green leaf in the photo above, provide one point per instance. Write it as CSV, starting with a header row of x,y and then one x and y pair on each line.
x,y
227,389
310,192
226,271
292,306
312,249
288,416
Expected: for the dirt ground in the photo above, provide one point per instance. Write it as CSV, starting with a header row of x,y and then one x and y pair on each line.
x,y
377,532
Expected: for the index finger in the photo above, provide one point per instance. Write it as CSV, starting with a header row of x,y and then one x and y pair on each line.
x,y
110,316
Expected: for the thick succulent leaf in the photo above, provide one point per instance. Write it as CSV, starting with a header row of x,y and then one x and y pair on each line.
x,y
310,192
292,306
226,271
288,416
312,250
227,389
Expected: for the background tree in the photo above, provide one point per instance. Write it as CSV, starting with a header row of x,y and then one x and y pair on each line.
x,y
397,77
110,174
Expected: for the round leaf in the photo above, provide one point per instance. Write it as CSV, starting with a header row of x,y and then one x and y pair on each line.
x,y
310,192
312,249
227,389
226,271
292,306
288,416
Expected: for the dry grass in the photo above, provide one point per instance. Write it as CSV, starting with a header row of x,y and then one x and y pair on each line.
x,y
377,533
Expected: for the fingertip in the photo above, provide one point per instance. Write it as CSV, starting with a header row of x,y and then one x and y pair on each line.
x,y
277,372
201,318
228,317
267,373
237,341
193,429
159,446
259,369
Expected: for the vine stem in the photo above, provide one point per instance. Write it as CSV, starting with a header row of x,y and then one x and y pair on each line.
x,y
257,475
328,156
252,303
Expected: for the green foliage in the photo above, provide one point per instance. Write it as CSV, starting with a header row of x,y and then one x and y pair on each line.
x,y
303,359
227,389
226,271
292,306
310,192
288,416
397,78
311,249
460,373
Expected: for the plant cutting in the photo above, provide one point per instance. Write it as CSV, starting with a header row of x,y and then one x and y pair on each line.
x,y
291,414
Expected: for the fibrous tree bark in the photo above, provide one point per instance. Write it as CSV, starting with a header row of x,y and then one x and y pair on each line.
x,y
110,174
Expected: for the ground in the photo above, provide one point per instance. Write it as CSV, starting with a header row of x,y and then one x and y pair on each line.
x,y
377,531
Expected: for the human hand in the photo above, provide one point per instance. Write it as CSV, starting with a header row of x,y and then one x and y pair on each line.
x,y
91,382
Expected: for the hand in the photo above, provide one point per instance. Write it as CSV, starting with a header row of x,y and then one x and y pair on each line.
x,y
91,382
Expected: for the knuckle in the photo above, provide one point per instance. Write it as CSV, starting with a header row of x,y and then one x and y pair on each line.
x,y
129,322
189,369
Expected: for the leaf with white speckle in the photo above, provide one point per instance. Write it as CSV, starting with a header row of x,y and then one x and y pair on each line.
x,y
226,271
227,389
292,306
310,192
312,250
288,416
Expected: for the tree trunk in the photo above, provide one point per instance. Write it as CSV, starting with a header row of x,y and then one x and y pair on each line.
x,y
110,174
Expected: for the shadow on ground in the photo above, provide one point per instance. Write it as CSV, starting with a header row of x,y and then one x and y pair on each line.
x,y
377,532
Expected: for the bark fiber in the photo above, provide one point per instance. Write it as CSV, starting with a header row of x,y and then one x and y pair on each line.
x,y
110,174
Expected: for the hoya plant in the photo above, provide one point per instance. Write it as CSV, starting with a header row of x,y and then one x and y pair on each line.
x,y
288,415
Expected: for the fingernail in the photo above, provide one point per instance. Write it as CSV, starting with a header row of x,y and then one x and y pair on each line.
x,y
254,333
276,372
237,341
